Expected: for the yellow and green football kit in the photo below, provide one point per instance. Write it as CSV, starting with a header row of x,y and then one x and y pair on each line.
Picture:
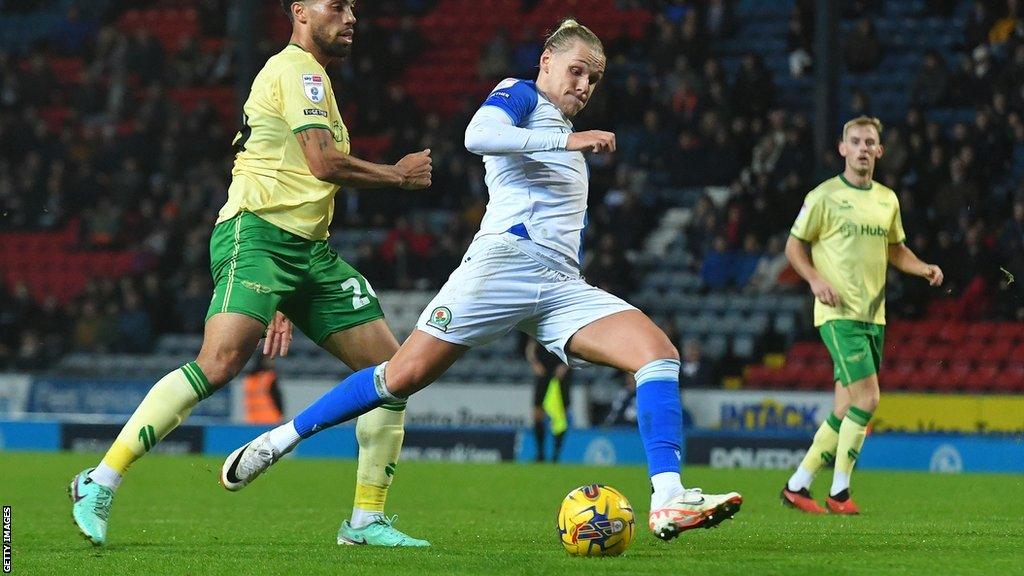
x,y
850,230
269,248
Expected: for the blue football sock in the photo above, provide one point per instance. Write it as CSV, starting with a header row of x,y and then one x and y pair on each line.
x,y
660,414
361,392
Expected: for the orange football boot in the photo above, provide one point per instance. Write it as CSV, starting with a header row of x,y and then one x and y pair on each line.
x,y
842,506
801,500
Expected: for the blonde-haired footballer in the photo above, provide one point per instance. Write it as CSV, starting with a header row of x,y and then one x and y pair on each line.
x,y
522,272
853,228
273,267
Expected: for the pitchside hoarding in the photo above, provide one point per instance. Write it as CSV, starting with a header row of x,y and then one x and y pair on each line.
x,y
754,410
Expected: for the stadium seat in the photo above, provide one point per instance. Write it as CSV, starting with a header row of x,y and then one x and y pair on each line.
x,y
807,352
980,332
1010,332
954,378
900,376
983,379
954,332
930,377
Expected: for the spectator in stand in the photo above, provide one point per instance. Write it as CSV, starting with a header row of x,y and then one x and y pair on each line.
x,y
623,408
719,20
694,371
87,327
861,47
957,193
1012,238
716,271
494,62
767,274
932,81
609,269
31,353
1003,28
979,23
692,41
525,54
753,90
134,326
747,261
800,47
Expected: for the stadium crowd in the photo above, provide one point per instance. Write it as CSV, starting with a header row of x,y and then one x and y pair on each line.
x,y
140,173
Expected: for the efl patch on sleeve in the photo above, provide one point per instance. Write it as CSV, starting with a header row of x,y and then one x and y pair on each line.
x,y
313,86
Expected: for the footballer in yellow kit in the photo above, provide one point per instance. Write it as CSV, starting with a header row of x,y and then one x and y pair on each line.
x,y
277,207
272,266
853,228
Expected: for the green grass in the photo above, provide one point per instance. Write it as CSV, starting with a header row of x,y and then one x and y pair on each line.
x,y
172,517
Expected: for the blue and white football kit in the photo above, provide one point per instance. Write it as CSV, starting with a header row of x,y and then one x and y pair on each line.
x,y
522,270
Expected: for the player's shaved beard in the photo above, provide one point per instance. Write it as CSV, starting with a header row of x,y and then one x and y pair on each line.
x,y
330,46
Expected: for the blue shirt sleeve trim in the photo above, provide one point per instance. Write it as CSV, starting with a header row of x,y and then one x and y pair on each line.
x,y
517,100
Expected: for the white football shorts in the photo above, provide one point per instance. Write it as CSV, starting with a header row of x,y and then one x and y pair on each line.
x,y
500,286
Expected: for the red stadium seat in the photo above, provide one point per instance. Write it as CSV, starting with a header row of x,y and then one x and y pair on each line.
x,y
807,350
1010,331
897,331
954,378
953,332
928,378
983,379
998,351
758,376
974,351
1010,381
981,331
938,354
899,377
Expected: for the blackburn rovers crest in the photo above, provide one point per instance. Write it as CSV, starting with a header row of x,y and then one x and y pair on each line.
x,y
440,318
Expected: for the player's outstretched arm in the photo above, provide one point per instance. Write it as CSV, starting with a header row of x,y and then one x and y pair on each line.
x,y
800,259
904,259
491,131
329,164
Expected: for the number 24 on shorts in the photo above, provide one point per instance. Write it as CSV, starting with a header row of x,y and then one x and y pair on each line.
x,y
358,299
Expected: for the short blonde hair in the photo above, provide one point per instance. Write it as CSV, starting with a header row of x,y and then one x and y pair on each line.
x,y
568,31
863,121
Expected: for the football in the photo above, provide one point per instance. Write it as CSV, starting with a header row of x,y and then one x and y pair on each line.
x,y
595,520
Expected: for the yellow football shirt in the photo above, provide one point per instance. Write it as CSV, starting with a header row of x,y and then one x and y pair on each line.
x,y
850,230
271,177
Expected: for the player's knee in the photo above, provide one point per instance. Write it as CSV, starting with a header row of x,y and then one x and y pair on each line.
x,y
659,349
865,395
869,401
404,378
220,366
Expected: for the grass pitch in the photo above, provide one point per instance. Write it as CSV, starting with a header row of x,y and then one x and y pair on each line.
x,y
172,517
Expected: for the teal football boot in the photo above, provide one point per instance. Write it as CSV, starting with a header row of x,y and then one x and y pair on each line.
x,y
90,507
380,532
